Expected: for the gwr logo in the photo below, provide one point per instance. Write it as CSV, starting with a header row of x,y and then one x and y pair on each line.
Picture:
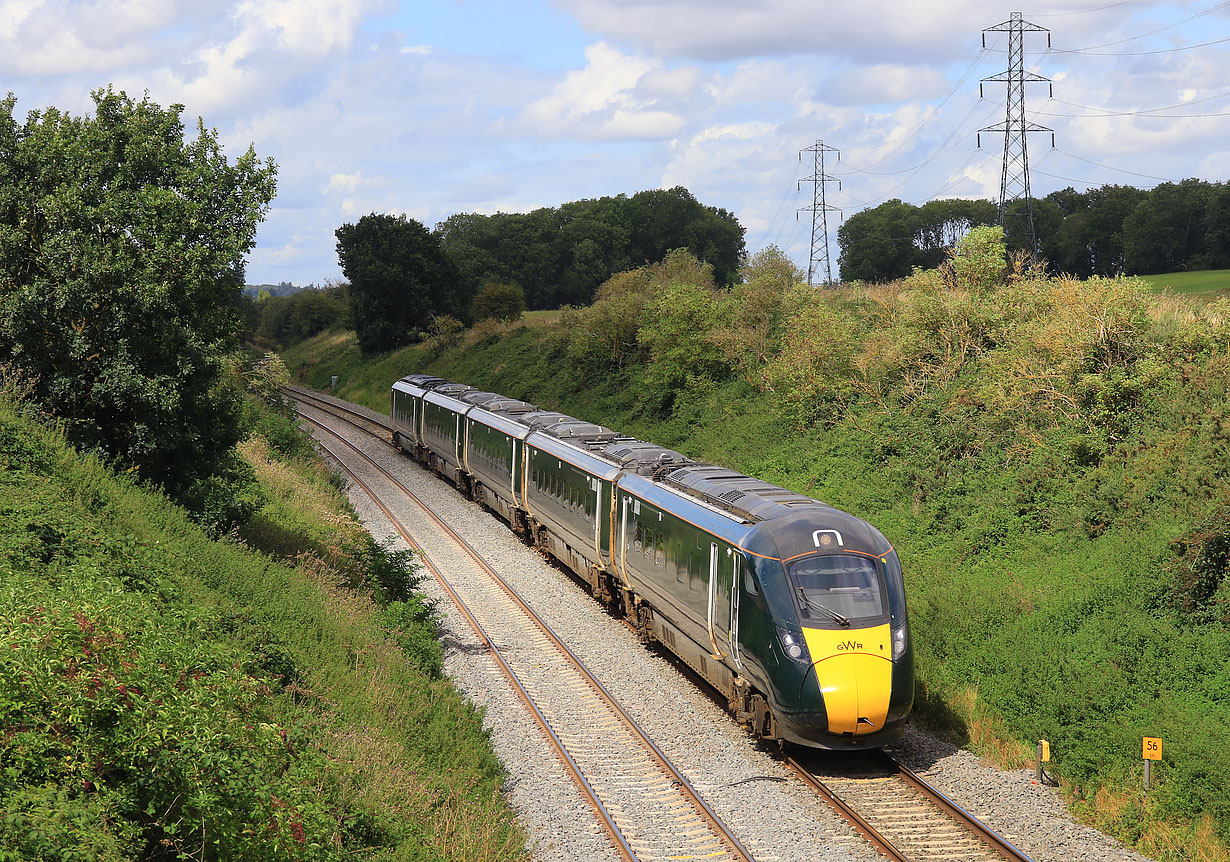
x,y
849,645
824,538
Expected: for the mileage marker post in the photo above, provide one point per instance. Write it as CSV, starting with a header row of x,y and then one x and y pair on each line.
x,y
1151,750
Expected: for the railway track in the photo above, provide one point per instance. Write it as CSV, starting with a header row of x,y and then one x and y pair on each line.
x,y
897,812
648,807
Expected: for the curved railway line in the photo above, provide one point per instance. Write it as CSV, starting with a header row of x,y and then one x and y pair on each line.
x,y
647,806
897,812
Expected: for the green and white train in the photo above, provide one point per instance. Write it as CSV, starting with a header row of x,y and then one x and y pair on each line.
x,y
794,610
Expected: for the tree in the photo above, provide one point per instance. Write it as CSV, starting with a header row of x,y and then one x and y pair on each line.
x,y
878,244
498,302
399,278
1165,232
560,256
122,251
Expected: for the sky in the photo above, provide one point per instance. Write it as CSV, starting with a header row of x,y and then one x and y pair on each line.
x,y
437,107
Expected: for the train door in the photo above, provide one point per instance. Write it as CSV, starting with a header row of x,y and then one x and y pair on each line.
x,y
721,600
625,511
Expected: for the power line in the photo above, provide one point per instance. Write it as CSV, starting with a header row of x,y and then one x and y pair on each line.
x,y
1143,112
942,150
934,111
1208,11
1075,180
1087,11
1110,168
1135,53
960,124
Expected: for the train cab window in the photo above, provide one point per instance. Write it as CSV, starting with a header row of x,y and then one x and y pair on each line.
x,y
749,580
836,589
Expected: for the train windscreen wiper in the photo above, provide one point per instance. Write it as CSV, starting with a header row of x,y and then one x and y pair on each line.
x,y
842,621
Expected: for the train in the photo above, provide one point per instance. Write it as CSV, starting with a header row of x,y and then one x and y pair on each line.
x,y
792,609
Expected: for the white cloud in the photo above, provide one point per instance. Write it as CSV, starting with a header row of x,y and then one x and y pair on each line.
x,y
604,100
343,182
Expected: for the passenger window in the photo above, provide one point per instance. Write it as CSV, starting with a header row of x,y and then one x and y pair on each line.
x,y
636,541
659,554
648,543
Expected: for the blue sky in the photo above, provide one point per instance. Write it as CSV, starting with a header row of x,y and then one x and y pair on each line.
x,y
438,107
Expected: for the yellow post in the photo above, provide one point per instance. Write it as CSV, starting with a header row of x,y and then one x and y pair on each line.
x,y
1150,750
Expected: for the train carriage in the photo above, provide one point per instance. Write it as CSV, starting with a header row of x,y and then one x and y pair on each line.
x,y
680,555
441,429
406,411
492,452
568,493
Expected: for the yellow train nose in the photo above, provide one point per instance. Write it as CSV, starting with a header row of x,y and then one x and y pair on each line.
x,y
854,669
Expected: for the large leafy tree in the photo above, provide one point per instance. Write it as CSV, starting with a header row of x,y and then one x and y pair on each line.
x,y
400,279
122,248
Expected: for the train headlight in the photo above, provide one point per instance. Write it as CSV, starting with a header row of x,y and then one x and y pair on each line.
x,y
793,645
898,642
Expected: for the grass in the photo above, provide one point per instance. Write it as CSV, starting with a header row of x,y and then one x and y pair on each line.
x,y
248,689
1214,282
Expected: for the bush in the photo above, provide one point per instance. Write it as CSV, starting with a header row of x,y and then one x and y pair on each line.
x,y
498,301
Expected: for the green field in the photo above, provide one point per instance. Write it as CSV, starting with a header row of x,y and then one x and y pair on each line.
x,y
1211,281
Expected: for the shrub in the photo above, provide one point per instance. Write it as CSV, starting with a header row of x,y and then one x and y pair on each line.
x,y
499,302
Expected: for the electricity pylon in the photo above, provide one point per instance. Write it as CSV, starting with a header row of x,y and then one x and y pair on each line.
x,y
1014,177
819,212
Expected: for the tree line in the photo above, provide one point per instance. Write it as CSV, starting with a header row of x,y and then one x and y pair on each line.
x,y
403,276
1108,230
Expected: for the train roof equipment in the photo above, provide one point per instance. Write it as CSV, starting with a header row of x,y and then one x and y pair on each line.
x,y
423,381
497,403
646,459
742,495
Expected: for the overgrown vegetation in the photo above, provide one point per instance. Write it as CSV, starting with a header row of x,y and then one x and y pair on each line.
x,y
1047,454
166,695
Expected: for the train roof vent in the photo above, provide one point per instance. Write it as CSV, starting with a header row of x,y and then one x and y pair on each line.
x,y
482,399
575,429
511,405
750,498
453,390
423,381
647,459
541,419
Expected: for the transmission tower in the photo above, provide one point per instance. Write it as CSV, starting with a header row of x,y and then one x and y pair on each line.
x,y
1014,178
819,212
